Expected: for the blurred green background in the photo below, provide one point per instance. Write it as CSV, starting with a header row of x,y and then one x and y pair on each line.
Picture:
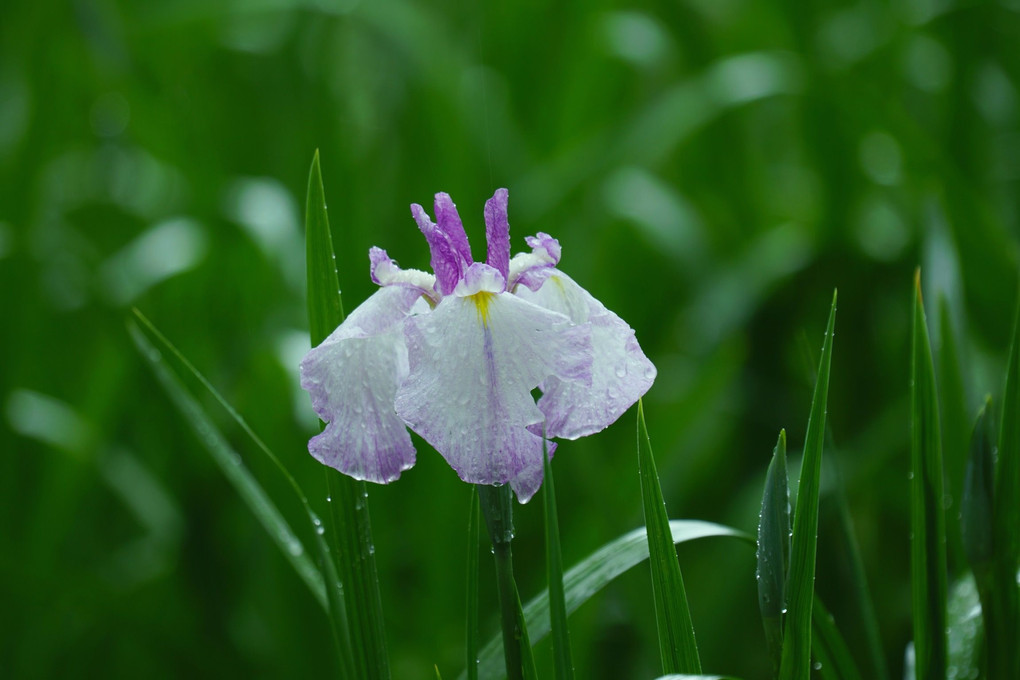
x,y
712,169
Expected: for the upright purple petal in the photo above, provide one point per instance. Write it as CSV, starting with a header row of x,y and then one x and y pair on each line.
x,y
473,363
352,378
446,262
448,220
497,233
621,373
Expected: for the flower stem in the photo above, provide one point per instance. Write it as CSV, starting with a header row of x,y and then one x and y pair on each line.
x,y
497,509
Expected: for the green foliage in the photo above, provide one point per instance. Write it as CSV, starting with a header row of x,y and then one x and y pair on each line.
x,y
774,550
586,578
677,646
711,169
323,584
554,575
352,542
800,584
927,514
473,636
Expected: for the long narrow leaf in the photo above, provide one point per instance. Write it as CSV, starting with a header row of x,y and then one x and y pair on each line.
x,y
834,659
927,516
164,356
554,574
472,589
774,550
955,422
591,575
1002,640
677,646
796,660
353,551
230,462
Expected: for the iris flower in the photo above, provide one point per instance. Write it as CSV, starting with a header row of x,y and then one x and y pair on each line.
x,y
455,356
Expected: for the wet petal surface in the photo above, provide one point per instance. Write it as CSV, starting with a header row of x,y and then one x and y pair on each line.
x,y
473,363
620,374
352,378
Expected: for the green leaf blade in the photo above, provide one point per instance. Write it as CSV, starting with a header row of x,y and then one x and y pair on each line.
x,y
796,657
564,664
325,308
473,636
929,579
1003,632
353,551
773,550
677,646
163,356
592,574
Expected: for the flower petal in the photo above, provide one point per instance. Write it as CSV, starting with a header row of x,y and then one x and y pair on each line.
x,y
497,233
446,262
532,269
528,480
385,272
473,363
449,223
621,373
352,378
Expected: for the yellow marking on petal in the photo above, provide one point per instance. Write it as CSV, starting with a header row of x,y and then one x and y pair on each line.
x,y
482,300
559,283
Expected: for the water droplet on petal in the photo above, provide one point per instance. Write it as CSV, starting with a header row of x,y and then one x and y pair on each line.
x,y
621,371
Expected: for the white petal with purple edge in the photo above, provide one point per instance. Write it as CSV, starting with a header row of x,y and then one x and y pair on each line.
x,y
532,269
352,378
621,373
473,363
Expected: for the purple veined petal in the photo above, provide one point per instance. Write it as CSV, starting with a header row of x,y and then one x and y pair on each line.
x,y
448,220
385,272
529,480
621,373
352,378
497,233
446,262
532,269
473,363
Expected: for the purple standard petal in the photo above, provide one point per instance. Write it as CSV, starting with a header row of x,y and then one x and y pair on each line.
x,y
621,373
352,378
449,223
446,262
532,269
497,233
473,363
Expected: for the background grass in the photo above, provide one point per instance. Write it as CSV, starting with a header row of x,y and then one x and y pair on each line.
x,y
712,169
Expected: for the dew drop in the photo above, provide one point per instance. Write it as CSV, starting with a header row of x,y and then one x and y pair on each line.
x,y
621,371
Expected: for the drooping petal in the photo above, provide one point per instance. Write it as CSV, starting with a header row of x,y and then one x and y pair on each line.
x,y
529,480
352,378
385,272
448,221
621,373
532,269
446,262
473,363
497,233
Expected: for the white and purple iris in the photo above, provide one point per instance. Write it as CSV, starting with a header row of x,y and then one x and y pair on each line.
x,y
455,356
